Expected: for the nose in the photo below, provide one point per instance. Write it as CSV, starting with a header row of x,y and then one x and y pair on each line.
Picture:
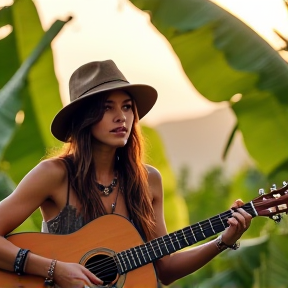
x,y
120,117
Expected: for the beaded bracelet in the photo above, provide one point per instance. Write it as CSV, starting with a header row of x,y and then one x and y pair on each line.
x,y
20,261
223,246
49,281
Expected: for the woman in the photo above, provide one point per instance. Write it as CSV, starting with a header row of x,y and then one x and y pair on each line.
x,y
100,172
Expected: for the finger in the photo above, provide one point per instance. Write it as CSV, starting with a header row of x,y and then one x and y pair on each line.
x,y
92,277
246,216
244,213
237,203
233,222
242,219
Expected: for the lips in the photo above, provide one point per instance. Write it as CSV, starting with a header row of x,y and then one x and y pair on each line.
x,y
119,129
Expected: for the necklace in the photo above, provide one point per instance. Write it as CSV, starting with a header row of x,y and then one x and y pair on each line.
x,y
115,202
107,190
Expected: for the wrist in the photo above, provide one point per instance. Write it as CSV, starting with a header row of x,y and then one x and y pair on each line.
x,y
49,280
223,246
37,265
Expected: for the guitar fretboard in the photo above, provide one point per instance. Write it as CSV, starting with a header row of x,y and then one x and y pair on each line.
x,y
141,255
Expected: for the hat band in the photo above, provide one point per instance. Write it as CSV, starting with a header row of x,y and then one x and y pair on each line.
x,y
101,85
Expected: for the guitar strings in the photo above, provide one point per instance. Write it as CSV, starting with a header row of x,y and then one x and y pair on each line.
x,y
109,264
173,237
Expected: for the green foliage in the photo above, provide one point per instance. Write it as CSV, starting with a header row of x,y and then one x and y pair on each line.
x,y
211,198
28,85
35,92
178,218
259,263
6,185
265,249
223,57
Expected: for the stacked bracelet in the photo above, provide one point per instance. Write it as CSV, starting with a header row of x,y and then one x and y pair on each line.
x,y
20,259
223,246
49,281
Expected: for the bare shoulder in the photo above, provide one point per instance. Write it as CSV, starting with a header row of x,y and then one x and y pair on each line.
x,y
153,172
54,168
45,178
44,181
155,181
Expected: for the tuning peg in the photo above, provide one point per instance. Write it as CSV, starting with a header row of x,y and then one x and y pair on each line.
x,y
284,183
277,218
261,191
273,187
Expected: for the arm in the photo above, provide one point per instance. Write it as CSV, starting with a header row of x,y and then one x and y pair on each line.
x,y
180,264
46,180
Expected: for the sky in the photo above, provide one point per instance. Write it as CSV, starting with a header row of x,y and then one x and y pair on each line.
x,y
115,29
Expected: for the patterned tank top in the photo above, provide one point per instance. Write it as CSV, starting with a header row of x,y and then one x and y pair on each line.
x,y
69,219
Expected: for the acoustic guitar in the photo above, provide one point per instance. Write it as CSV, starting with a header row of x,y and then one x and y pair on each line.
x,y
111,247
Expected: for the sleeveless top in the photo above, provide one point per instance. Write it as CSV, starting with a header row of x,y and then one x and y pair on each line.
x,y
70,220
67,221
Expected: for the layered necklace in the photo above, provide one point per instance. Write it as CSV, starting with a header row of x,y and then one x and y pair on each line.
x,y
107,190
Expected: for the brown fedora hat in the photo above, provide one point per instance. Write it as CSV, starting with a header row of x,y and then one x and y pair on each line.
x,y
90,80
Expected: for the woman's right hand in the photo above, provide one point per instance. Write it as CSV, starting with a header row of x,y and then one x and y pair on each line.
x,y
74,275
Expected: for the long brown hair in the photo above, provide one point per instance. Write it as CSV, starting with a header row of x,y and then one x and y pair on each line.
x,y
132,173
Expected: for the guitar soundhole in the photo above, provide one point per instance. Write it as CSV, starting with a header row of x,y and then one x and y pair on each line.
x,y
100,262
103,267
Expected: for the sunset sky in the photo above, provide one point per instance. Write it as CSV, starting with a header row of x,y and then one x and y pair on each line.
x,y
114,29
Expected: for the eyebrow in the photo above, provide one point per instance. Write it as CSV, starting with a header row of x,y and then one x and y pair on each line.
x,y
125,101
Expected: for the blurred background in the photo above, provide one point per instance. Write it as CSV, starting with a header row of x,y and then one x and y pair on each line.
x,y
218,131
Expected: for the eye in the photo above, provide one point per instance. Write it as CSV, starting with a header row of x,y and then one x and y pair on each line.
x,y
127,107
107,107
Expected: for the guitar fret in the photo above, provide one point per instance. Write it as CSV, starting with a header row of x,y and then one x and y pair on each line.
x,y
185,238
119,262
148,253
177,240
132,257
160,250
165,245
195,240
253,212
143,255
139,260
123,261
201,230
222,221
171,242
128,258
153,249
212,226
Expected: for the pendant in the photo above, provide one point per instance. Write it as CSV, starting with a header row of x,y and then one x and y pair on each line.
x,y
106,191
113,207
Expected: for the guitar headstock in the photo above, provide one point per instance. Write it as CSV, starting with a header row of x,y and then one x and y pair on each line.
x,y
272,204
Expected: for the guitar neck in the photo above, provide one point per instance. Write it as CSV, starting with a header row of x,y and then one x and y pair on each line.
x,y
141,255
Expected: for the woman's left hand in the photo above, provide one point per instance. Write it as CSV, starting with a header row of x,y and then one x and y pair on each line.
x,y
238,224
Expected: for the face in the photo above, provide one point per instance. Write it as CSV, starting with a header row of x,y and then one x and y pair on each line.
x,y
114,128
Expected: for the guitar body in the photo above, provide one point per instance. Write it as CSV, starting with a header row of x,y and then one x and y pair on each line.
x,y
99,238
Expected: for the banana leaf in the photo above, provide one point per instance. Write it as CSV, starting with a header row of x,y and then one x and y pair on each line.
x,y
32,88
260,262
28,84
223,57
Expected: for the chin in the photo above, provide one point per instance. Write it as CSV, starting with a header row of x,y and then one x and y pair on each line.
x,y
120,143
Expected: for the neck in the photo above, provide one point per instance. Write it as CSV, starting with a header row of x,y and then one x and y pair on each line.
x,y
104,162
